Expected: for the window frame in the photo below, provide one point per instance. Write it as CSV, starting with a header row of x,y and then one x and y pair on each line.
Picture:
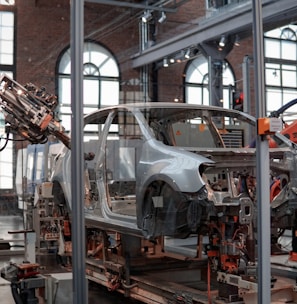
x,y
278,90
8,176
91,51
204,85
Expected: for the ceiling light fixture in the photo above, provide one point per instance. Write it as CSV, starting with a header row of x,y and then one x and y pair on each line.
x,y
165,62
162,18
237,41
222,41
146,17
187,53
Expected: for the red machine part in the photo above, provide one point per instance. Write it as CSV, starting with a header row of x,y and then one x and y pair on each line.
x,y
27,270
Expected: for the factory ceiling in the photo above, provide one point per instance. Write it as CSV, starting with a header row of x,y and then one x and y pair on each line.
x,y
161,5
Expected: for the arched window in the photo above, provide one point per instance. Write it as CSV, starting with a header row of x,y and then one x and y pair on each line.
x,y
101,81
196,82
280,68
7,66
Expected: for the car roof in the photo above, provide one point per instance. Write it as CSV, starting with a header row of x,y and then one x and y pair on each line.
x,y
172,108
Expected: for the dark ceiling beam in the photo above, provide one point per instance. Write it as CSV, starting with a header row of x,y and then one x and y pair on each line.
x,y
237,20
137,5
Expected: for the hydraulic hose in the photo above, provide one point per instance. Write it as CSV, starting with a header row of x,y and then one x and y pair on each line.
x,y
282,109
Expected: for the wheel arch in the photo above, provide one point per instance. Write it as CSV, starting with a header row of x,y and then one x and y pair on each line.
x,y
143,193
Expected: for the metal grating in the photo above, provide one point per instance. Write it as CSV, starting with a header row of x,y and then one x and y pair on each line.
x,y
233,138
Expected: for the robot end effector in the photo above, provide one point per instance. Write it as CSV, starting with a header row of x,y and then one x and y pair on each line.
x,y
29,111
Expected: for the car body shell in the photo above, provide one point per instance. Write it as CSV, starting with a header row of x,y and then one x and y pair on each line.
x,y
157,164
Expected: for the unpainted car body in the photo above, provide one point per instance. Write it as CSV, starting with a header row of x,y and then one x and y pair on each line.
x,y
153,170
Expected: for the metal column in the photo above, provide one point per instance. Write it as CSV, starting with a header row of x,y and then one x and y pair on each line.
x,y
262,155
77,163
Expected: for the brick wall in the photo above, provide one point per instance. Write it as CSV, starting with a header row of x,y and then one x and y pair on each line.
x,y
43,32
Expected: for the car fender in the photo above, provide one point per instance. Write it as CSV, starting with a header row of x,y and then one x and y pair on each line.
x,y
178,167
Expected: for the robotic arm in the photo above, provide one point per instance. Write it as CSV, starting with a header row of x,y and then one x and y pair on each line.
x,y
29,111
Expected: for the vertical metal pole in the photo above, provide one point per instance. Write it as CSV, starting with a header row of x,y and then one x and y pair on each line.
x,y
144,70
247,97
145,80
263,204
77,162
246,85
210,76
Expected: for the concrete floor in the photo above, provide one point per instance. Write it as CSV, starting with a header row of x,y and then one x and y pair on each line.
x,y
49,266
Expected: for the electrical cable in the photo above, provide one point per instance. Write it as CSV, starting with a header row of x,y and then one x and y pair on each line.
x,y
6,142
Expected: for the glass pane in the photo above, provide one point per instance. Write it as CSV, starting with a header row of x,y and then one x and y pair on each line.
x,y
95,57
226,98
194,95
65,102
66,121
272,74
6,32
8,73
7,2
272,48
228,78
197,70
289,78
65,66
6,46
288,50
6,164
88,110
205,97
274,100
6,37
7,19
273,33
65,109
109,68
91,92
289,95
64,91
6,59
109,93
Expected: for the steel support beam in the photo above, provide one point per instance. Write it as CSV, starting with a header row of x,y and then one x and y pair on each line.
x,y
234,21
80,292
262,165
